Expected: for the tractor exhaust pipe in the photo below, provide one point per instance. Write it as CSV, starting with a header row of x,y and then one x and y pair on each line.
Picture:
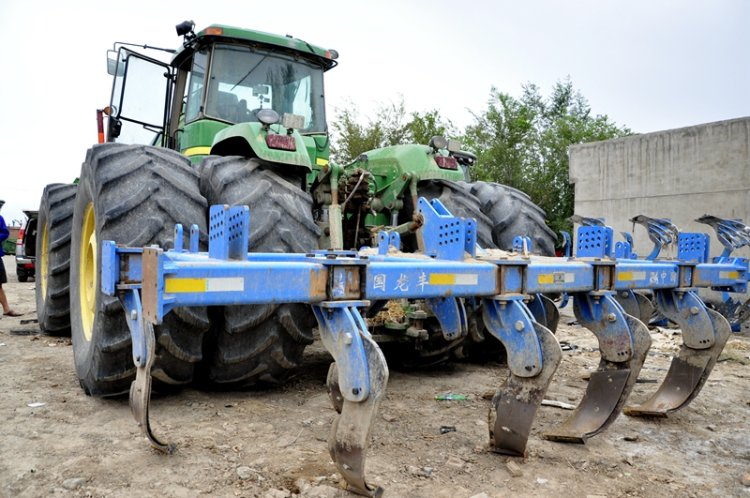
x,y
100,124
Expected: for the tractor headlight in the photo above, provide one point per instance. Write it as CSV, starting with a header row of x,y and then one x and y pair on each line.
x,y
438,142
267,116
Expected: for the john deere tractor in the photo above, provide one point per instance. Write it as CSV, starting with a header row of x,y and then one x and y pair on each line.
x,y
238,117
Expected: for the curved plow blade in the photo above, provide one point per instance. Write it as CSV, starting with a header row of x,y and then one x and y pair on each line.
x,y
606,392
637,305
334,389
350,432
140,392
515,404
687,374
544,311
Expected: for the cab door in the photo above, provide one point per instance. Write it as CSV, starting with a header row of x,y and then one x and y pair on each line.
x,y
141,93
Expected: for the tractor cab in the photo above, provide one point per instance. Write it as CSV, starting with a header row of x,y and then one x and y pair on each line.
x,y
226,91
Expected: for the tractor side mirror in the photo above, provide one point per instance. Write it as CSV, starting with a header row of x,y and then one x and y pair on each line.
x,y
112,66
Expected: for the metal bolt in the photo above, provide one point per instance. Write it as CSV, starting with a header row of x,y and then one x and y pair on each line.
x,y
348,338
694,310
133,315
519,325
611,317
355,391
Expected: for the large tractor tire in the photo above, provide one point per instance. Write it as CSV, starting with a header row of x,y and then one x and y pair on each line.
x,y
511,213
458,199
134,195
54,227
260,345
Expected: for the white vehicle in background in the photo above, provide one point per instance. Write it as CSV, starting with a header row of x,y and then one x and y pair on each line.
x,y
26,248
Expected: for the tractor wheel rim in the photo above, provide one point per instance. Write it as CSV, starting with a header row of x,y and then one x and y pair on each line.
x,y
44,260
87,268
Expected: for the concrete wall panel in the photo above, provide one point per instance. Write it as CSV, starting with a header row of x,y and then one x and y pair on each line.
x,y
679,174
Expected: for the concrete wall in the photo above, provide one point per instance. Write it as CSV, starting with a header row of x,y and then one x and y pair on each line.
x,y
679,174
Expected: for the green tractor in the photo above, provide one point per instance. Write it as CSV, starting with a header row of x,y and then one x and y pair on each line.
x,y
238,117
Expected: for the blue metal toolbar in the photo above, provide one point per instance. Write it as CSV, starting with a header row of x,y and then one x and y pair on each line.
x,y
174,278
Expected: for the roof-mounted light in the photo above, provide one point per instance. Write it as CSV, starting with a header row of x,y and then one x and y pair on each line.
x,y
184,28
214,30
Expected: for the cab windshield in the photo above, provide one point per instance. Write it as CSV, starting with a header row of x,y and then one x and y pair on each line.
x,y
243,81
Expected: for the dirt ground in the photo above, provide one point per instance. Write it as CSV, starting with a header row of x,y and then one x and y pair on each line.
x,y
56,441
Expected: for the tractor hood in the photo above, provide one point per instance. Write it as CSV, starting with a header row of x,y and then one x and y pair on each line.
x,y
393,163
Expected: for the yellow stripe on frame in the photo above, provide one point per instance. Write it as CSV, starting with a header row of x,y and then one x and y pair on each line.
x,y
453,279
557,277
442,278
629,276
181,285
546,278
197,151
321,161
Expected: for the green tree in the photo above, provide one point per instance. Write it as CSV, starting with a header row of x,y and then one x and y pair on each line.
x,y
391,126
524,143
423,126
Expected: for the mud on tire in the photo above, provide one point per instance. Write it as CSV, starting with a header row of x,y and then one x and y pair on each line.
x,y
52,288
260,344
134,195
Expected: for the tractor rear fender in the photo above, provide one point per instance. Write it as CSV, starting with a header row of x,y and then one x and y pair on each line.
x,y
252,140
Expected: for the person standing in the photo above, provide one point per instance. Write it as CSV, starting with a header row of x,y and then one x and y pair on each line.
x,y
4,233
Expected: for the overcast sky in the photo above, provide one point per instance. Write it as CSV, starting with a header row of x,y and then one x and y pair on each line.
x,y
648,64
